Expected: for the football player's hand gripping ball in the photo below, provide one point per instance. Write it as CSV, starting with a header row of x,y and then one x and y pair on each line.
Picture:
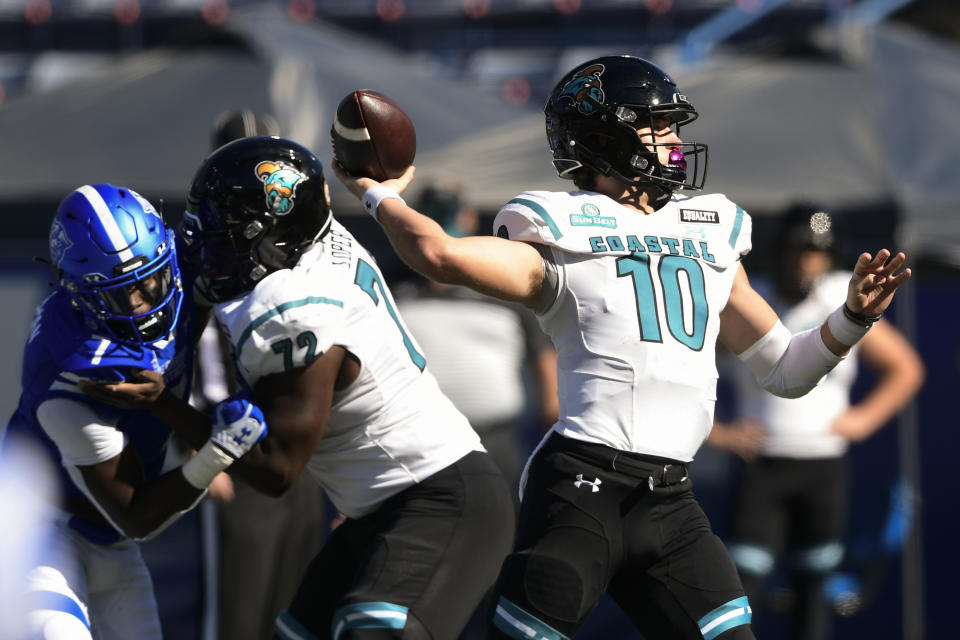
x,y
238,425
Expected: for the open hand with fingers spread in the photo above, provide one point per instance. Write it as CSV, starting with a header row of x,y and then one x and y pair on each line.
x,y
874,281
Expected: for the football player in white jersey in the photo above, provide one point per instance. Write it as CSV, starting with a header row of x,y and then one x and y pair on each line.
x,y
635,284
347,393
782,504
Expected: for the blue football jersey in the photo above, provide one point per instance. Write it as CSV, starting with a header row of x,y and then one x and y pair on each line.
x,y
61,350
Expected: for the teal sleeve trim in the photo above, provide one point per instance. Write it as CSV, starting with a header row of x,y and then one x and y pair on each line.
x,y
554,229
737,223
280,308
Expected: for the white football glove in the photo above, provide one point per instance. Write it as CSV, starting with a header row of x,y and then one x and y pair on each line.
x,y
238,425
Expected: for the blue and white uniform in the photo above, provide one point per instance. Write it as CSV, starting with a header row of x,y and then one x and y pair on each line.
x,y
77,431
119,307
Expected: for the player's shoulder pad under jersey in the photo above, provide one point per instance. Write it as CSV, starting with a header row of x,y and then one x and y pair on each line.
x,y
60,336
287,321
547,217
716,216
584,221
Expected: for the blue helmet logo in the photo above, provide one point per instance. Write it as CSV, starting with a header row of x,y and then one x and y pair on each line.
x,y
60,243
585,89
279,185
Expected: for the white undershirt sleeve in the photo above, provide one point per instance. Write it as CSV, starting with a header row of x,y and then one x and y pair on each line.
x,y
82,436
789,365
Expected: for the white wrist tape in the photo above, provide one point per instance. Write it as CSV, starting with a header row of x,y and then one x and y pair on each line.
x,y
201,469
377,194
789,365
845,330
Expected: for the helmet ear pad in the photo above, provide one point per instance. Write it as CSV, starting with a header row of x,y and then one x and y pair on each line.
x,y
614,148
277,247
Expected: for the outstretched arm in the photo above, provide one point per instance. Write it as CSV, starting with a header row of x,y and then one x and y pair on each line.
x,y
493,266
790,365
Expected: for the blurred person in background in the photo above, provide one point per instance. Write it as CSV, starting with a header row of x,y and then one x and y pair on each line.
x,y
29,497
635,285
121,305
477,342
262,539
315,335
793,490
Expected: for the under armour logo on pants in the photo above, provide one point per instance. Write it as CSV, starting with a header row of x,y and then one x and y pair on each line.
x,y
595,484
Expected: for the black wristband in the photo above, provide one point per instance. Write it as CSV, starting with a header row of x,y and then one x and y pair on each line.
x,y
859,318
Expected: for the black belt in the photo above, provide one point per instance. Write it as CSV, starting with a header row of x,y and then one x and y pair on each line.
x,y
659,472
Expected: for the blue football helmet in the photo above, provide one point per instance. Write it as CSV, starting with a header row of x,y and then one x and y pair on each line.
x,y
116,257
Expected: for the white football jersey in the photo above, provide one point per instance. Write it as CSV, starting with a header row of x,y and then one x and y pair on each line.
x,y
636,318
800,427
392,427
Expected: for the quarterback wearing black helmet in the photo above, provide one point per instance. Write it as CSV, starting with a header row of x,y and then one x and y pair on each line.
x,y
254,207
593,116
636,284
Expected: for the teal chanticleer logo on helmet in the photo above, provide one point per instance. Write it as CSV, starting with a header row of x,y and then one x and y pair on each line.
x,y
585,89
280,185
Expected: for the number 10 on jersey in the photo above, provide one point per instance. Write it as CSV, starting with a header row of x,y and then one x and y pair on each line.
x,y
637,268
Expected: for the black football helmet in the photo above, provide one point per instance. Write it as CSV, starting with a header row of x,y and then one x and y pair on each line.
x,y
592,115
255,205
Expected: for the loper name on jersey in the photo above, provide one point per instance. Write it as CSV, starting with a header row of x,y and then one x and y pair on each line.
x,y
652,244
340,247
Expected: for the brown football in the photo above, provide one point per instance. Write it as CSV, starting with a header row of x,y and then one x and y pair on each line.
x,y
372,136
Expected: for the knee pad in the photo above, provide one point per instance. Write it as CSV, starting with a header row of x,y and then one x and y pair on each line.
x,y
561,578
818,559
751,559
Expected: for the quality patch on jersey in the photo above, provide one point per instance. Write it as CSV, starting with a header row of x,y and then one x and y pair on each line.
x,y
699,215
585,89
60,242
279,184
591,218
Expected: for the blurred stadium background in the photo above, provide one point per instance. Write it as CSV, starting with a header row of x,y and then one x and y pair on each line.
x,y
851,104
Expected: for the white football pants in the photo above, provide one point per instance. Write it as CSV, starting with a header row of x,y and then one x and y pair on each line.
x,y
83,590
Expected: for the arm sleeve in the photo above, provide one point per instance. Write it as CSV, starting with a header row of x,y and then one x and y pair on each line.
x,y
789,365
83,436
